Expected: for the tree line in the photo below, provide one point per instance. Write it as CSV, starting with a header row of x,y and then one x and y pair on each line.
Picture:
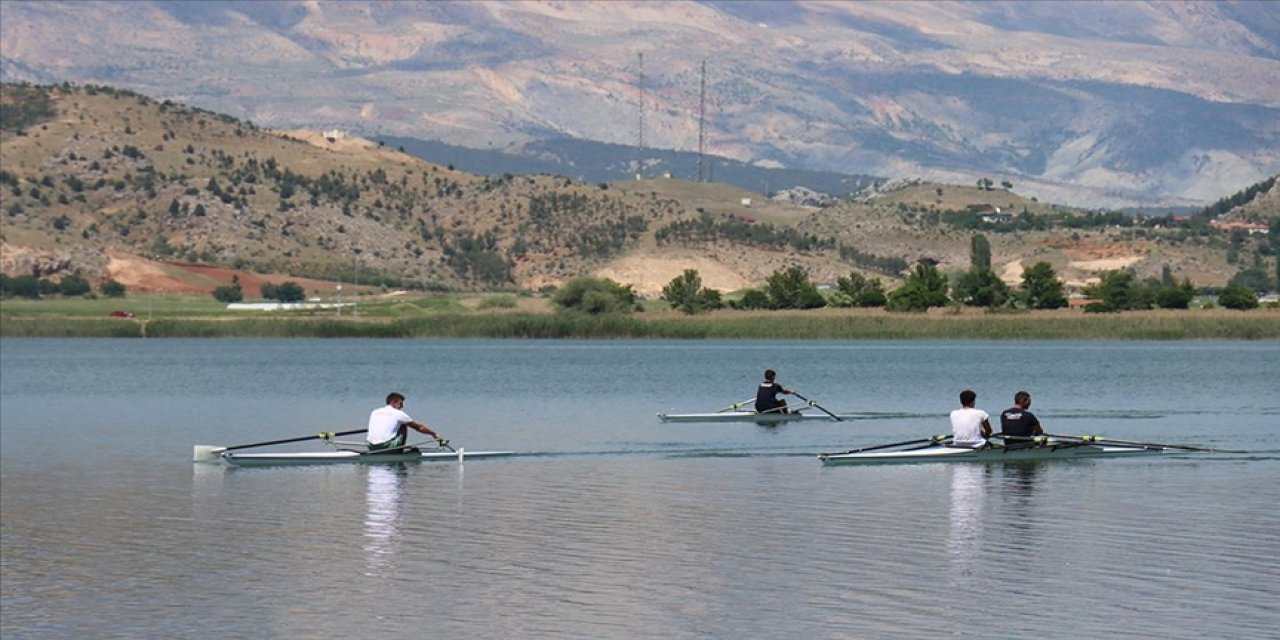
x,y
925,287
71,285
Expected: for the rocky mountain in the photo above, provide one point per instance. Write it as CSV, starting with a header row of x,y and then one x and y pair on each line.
x,y
1102,103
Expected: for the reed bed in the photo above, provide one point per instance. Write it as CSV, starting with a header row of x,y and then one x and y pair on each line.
x,y
1194,325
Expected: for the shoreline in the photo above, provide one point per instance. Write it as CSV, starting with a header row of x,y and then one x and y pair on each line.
x,y
1218,324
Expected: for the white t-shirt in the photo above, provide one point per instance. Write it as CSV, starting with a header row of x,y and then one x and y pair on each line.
x,y
966,426
384,424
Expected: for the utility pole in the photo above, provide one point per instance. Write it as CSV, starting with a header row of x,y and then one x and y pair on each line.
x,y
640,135
702,117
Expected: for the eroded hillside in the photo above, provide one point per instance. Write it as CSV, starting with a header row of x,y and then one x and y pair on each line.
x,y
95,176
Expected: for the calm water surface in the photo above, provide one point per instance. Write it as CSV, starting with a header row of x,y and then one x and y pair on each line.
x,y
621,526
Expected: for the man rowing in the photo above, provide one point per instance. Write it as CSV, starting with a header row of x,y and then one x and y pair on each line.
x,y
1017,423
389,426
969,426
767,400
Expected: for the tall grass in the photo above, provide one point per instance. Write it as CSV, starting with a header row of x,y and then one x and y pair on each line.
x,y
1218,324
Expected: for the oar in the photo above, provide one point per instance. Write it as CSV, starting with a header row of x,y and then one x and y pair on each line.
x,y
735,406
938,439
1132,443
208,453
818,406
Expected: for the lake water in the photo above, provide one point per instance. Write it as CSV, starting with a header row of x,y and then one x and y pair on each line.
x,y
622,526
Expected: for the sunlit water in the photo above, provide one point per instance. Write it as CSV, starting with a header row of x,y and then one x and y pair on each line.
x,y
622,526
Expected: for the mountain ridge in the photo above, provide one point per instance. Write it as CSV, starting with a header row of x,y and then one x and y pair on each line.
x,y
1106,104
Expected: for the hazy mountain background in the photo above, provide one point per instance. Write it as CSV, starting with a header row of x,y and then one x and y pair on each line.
x,y
1088,103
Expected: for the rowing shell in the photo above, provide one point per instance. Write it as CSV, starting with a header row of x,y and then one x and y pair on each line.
x,y
992,454
751,416
357,457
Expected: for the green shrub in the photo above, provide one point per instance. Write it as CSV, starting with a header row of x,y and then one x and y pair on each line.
x,y
595,296
112,289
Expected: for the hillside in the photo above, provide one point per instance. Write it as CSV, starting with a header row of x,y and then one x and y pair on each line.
x,y
108,182
116,170
1101,104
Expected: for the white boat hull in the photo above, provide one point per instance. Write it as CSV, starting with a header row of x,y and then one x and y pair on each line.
x,y
353,457
992,454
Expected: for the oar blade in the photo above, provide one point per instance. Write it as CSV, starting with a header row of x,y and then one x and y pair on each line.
x,y
207,453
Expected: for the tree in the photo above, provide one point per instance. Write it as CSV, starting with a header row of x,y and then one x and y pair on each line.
x,y
1118,292
686,293
595,296
74,285
1255,279
861,291
112,289
1177,296
753,299
925,287
27,286
229,294
284,292
1236,296
979,252
791,288
1042,288
980,288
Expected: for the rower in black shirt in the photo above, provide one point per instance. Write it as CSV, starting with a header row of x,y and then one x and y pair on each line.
x,y
1017,423
767,400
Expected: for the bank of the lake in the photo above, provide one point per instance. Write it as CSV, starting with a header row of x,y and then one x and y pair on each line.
x,y
1207,324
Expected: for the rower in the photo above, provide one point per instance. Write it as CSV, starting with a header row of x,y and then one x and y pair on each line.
x,y
969,426
1017,423
389,426
767,400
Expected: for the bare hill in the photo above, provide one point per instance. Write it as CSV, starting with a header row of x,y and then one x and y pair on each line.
x,y
95,178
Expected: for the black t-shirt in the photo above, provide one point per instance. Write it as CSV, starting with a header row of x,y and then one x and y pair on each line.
x,y
767,396
1016,421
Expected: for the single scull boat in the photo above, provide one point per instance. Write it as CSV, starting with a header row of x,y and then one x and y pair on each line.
x,y
752,416
348,452
357,457
742,412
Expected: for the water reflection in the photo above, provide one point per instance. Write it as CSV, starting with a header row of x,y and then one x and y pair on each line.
x,y
1021,479
968,493
384,499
